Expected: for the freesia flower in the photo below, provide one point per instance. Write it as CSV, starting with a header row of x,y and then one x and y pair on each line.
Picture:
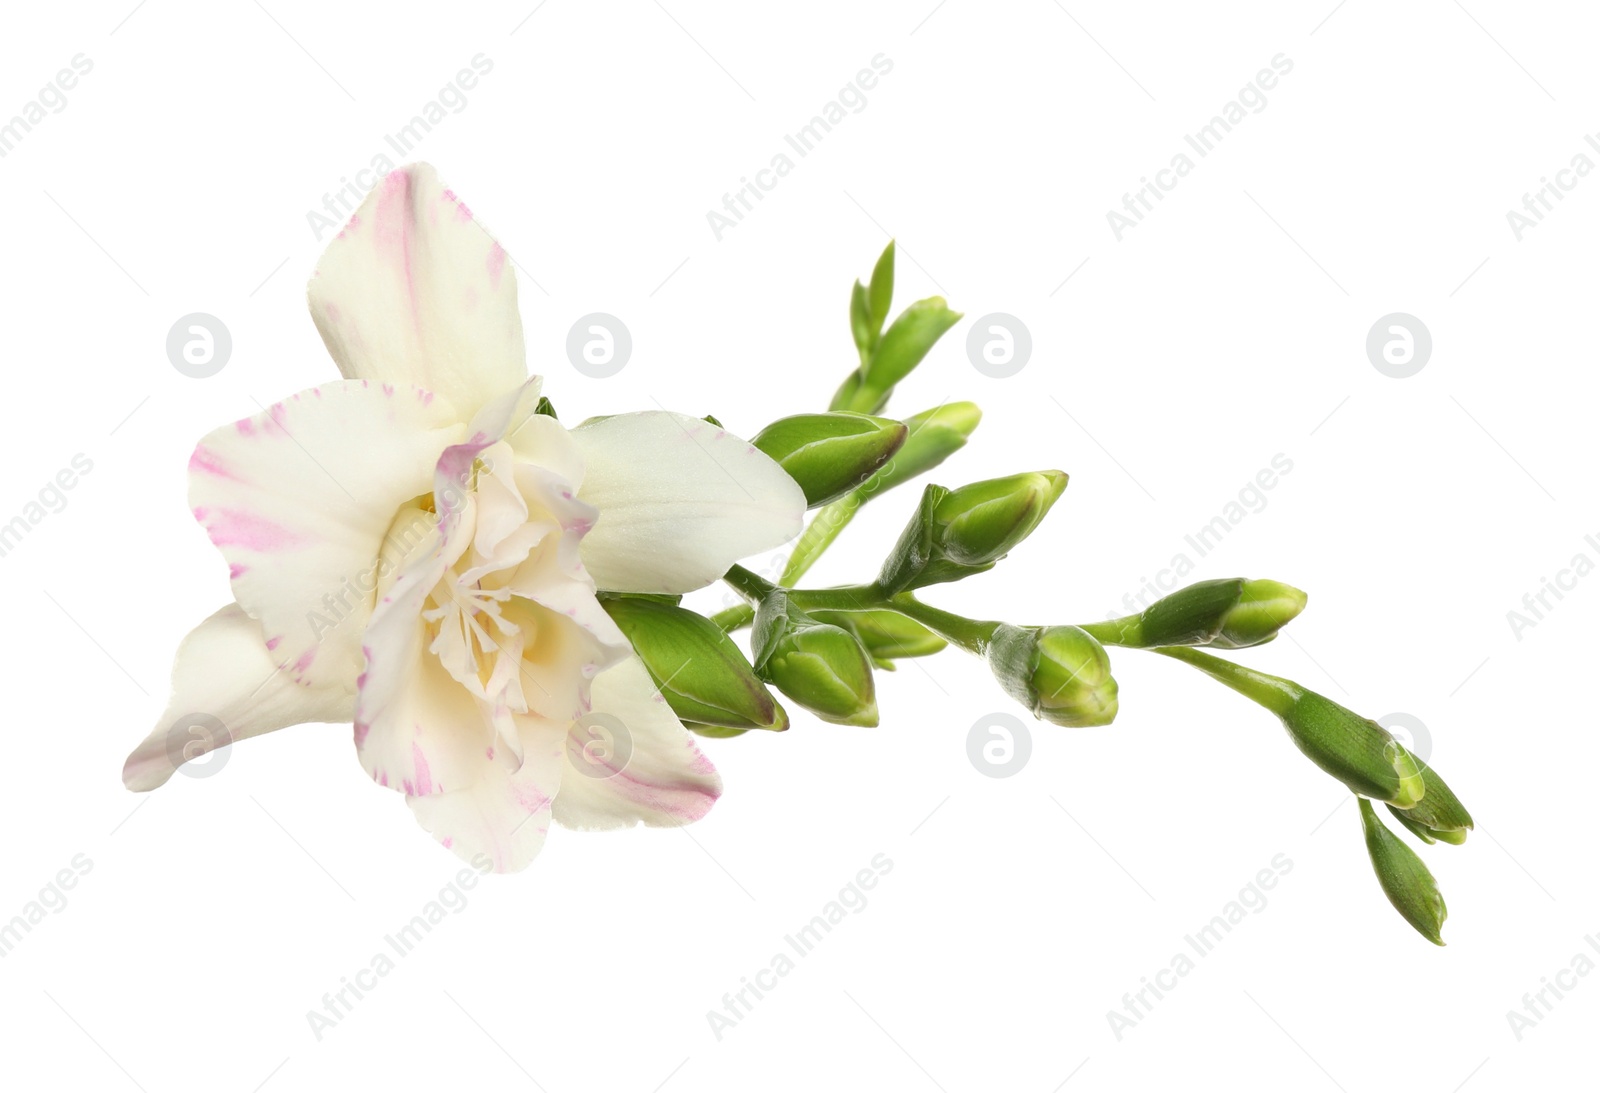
x,y
417,550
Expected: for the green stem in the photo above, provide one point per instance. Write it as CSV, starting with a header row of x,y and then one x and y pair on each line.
x,y
857,597
1122,632
1276,694
734,618
973,635
747,584
831,519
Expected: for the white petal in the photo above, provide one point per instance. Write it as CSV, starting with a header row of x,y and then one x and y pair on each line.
x,y
415,290
680,501
505,815
632,761
224,676
417,729
299,499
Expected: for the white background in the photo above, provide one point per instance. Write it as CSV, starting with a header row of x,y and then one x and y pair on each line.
x,y
1167,370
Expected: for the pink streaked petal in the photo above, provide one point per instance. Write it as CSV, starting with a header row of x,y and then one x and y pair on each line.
x,y
505,815
642,765
223,674
299,499
408,296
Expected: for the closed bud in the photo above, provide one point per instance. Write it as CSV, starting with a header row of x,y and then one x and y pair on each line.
x,y
830,454
979,524
1231,613
1354,749
1404,879
699,670
887,636
817,664
956,533
1060,673
1264,608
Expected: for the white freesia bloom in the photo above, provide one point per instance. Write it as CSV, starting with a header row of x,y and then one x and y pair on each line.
x,y
417,551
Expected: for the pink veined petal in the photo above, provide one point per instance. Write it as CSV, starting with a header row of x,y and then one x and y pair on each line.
x,y
226,686
631,761
505,815
416,291
680,501
299,498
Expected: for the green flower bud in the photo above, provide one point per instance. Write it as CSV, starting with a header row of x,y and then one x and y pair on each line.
x,y
1232,613
1264,608
1405,880
700,671
1356,750
830,454
819,665
887,636
1440,815
956,533
1061,673
979,524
